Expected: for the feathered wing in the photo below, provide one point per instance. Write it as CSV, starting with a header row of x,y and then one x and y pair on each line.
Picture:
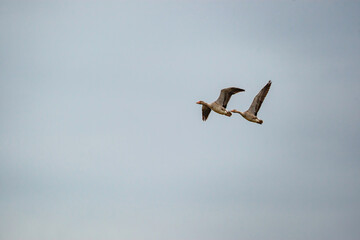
x,y
226,94
205,112
259,98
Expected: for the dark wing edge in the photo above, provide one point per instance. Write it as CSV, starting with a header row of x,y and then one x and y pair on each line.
x,y
226,94
259,99
205,112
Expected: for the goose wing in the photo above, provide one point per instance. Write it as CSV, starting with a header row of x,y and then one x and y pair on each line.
x,y
226,94
259,98
205,112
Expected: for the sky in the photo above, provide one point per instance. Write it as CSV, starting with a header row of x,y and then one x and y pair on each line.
x,y
100,136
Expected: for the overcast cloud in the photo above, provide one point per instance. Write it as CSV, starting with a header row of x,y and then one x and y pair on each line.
x,y
100,136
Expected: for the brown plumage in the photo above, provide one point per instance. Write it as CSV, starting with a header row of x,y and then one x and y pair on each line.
x,y
220,104
251,113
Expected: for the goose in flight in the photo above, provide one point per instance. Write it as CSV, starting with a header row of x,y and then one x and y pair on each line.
x,y
251,113
220,104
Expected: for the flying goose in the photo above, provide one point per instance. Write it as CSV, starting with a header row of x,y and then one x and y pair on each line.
x,y
251,113
220,104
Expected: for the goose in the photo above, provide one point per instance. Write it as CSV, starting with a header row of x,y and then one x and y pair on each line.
x,y
251,113
220,104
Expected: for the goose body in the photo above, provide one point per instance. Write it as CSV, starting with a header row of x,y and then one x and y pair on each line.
x,y
219,106
251,113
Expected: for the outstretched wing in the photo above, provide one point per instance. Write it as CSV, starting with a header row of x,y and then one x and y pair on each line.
x,y
205,112
259,98
226,94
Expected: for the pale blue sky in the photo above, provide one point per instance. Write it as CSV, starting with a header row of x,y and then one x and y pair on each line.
x,y
100,136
